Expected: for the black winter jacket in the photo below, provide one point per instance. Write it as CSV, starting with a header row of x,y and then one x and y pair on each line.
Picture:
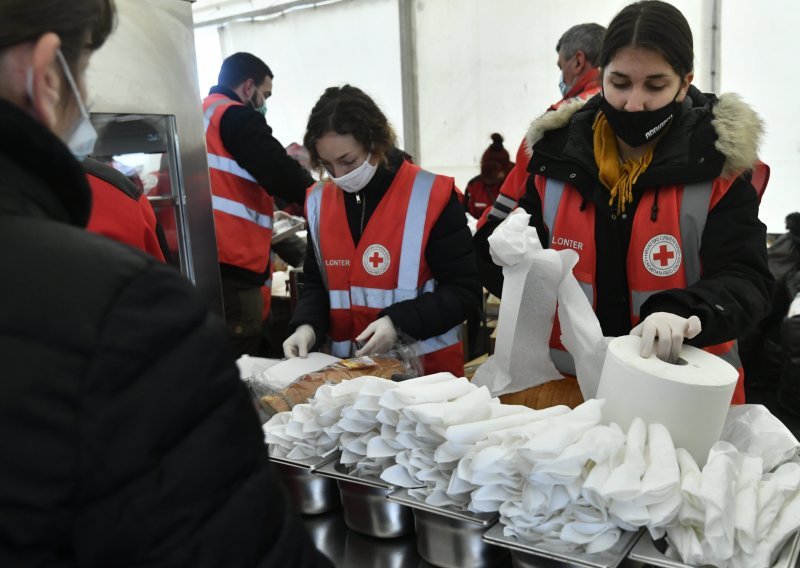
x,y
734,293
127,438
247,136
449,255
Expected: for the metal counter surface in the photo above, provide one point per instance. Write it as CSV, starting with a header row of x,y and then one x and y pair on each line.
x,y
348,549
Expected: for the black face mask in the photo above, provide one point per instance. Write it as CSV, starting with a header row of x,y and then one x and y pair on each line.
x,y
640,127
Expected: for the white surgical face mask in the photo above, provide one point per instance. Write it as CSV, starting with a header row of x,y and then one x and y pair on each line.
x,y
356,180
83,136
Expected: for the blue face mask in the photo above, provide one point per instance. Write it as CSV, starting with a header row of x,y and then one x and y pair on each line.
x,y
563,87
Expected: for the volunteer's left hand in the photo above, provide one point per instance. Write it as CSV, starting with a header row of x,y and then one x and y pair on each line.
x,y
381,335
666,333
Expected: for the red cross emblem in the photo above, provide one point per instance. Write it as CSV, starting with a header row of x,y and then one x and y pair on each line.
x,y
662,255
376,259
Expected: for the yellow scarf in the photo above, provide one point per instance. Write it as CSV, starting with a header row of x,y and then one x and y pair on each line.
x,y
617,177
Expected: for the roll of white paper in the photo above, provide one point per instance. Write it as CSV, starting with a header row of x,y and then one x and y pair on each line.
x,y
690,398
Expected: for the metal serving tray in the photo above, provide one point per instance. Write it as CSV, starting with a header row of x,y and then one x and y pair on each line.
x,y
483,519
449,538
366,507
528,554
311,494
646,551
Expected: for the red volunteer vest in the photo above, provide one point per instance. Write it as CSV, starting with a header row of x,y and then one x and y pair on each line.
x,y
242,209
387,266
662,254
117,216
514,185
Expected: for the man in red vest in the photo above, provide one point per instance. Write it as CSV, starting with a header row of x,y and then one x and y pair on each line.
x,y
247,166
578,52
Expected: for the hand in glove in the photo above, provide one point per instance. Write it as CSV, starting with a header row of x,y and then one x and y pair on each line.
x,y
381,335
299,342
665,332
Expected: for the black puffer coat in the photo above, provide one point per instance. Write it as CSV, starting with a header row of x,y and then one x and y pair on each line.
x,y
711,138
126,436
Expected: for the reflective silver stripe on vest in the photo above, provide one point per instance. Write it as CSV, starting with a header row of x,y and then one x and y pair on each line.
x,y
447,339
230,166
694,212
237,209
414,231
502,207
379,298
341,349
732,356
313,206
553,190
639,298
209,112
339,299
563,361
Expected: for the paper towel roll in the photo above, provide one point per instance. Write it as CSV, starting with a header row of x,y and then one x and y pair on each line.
x,y
691,398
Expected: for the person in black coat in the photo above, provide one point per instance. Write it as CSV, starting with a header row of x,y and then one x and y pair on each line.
x,y
127,436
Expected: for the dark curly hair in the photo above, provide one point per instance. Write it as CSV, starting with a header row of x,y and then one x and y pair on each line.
x,y
349,110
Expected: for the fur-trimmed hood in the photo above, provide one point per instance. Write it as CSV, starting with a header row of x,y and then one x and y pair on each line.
x,y
739,129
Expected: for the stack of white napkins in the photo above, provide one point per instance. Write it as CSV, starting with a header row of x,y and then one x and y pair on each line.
x,y
414,418
745,503
564,479
315,429
358,425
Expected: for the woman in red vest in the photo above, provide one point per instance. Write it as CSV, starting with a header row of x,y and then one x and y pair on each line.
x,y
656,186
482,190
389,252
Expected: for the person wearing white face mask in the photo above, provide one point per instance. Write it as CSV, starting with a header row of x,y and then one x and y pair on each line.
x,y
125,429
389,248
656,186
248,168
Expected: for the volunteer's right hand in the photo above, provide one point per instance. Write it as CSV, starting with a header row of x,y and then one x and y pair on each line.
x,y
299,343
664,333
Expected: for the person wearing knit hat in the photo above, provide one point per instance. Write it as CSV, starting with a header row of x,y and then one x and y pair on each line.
x,y
482,190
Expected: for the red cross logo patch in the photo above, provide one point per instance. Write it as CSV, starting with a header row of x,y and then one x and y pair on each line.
x,y
376,259
662,255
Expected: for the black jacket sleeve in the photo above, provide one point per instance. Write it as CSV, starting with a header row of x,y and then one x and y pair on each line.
x,y
458,291
735,292
313,307
173,465
491,274
246,135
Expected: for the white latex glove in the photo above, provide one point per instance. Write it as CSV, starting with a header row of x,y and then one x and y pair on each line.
x,y
665,332
381,335
299,342
794,307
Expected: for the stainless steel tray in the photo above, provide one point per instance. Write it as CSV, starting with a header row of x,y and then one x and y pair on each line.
x,y
610,558
285,225
483,519
645,551
335,470
311,464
